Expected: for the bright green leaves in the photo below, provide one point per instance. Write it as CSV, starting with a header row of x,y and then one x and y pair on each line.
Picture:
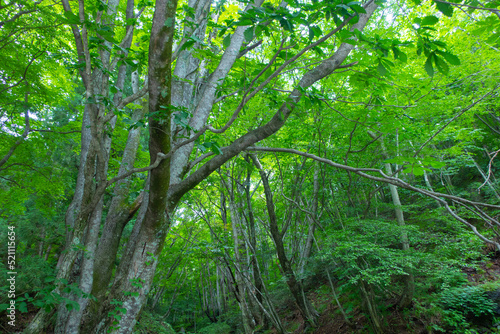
x,y
314,31
181,118
210,145
434,59
428,65
416,166
226,41
450,58
384,66
398,54
351,9
356,6
490,26
313,97
293,18
248,34
192,40
429,20
71,18
383,47
445,8
107,33
287,25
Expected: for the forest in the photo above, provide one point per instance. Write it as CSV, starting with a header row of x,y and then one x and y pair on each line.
x,y
249,166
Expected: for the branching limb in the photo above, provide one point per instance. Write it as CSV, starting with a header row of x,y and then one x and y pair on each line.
x,y
18,14
460,5
23,78
489,168
397,182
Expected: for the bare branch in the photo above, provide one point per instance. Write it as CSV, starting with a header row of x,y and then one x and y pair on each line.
x,y
489,169
487,124
397,182
249,48
133,97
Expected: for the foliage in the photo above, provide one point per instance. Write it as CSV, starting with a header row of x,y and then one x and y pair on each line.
x,y
217,328
463,305
150,323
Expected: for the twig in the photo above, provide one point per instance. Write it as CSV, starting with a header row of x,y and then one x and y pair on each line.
x,y
489,168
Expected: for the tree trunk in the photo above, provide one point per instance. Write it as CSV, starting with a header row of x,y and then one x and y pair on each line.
x,y
406,297
307,311
240,264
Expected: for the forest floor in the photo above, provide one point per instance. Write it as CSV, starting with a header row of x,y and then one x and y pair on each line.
x,y
489,271
397,322
331,320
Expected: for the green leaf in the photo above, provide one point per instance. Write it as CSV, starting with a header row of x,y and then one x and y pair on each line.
x,y
244,22
248,34
72,18
187,44
131,22
286,24
398,54
169,22
23,307
381,69
428,65
258,30
226,41
441,65
493,38
444,8
449,57
429,20
311,34
215,148
357,8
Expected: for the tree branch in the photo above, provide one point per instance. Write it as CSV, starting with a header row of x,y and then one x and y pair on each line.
x,y
397,182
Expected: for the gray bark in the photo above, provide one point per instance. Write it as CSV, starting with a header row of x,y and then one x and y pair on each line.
x,y
409,281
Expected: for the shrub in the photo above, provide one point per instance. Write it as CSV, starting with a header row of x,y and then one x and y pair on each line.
x,y
151,324
217,328
463,306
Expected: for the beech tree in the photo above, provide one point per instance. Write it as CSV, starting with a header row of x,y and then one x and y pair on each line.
x,y
167,67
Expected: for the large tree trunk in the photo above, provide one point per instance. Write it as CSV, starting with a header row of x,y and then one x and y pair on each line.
x,y
136,271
